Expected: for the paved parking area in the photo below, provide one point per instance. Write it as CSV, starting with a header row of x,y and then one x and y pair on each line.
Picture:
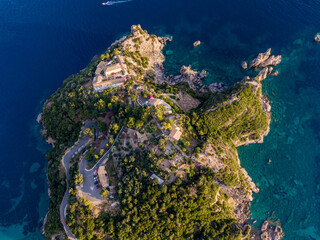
x,y
88,186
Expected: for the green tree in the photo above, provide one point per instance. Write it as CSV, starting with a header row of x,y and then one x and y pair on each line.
x,y
100,105
168,124
130,123
144,94
197,150
88,157
116,52
159,111
104,193
114,128
92,150
102,126
78,179
162,144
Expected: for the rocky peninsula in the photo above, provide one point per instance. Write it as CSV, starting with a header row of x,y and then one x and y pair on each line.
x,y
151,156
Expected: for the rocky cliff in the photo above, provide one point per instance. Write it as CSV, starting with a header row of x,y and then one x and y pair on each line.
x,y
140,46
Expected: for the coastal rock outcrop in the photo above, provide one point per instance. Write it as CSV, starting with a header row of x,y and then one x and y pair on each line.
x,y
262,74
264,226
39,118
217,87
265,103
260,59
271,61
193,78
253,186
264,60
269,232
149,46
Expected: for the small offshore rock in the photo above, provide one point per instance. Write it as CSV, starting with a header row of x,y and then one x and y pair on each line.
x,y
244,65
317,37
264,226
203,74
270,70
275,73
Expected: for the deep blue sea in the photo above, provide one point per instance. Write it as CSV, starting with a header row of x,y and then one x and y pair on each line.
x,y
44,41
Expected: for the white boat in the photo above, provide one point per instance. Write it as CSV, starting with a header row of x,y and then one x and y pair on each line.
x,y
197,43
107,3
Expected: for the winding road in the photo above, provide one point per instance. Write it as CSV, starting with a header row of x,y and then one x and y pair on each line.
x,y
88,183
66,164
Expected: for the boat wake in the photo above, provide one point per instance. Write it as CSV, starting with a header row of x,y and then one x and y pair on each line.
x,y
109,3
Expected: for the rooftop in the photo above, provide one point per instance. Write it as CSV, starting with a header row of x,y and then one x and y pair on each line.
x,y
102,65
155,102
175,133
102,176
113,68
109,82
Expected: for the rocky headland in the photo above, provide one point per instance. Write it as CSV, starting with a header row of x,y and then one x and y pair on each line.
x,y
204,160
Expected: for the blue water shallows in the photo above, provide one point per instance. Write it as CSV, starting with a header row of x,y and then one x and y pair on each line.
x,y
43,42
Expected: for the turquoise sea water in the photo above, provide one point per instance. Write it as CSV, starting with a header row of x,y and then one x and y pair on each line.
x,y
43,42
